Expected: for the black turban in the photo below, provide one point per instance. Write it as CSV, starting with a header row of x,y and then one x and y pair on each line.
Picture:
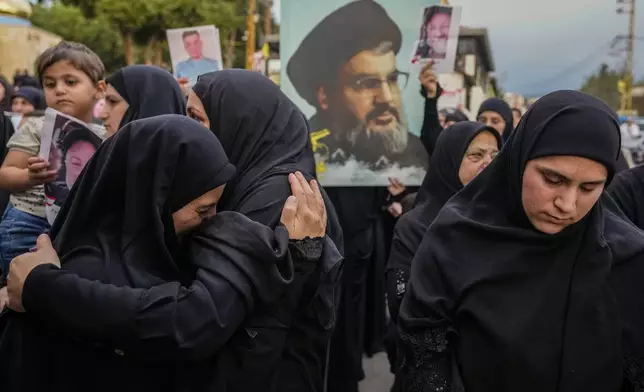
x,y
359,25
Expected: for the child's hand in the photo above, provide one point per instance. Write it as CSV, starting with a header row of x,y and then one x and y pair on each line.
x,y
38,173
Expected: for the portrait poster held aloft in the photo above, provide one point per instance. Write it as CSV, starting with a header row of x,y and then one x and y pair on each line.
x,y
194,51
347,68
438,38
67,144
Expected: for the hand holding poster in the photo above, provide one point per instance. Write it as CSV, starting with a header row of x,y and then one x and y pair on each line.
x,y
438,37
348,70
67,144
194,51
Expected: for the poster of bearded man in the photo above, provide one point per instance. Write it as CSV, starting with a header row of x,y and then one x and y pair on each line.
x,y
348,70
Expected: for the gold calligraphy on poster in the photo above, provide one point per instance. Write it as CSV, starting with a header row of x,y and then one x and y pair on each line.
x,y
320,150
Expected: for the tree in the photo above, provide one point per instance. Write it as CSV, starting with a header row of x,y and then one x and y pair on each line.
x,y
88,7
603,85
127,17
70,23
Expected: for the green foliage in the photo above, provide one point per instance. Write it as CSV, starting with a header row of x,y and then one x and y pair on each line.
x,y
603,85
70,23
113,27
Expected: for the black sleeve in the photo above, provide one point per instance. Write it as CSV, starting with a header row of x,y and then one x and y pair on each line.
x,y
621,190
431,125
425,363
167,320
170,320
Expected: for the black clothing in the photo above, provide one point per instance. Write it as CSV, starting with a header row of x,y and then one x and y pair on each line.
x,y
431,124
359,25
131,299
441,182
267,137
627,189
499,106
6,131
149,91
495,305
5,102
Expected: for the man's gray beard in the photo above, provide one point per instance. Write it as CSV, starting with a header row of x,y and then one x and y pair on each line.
x,y
393,141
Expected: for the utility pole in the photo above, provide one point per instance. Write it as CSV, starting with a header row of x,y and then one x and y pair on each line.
x,y
268,18
626,106
250,33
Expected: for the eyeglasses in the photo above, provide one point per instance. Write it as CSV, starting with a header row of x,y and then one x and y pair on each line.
x,y
396,81
477,155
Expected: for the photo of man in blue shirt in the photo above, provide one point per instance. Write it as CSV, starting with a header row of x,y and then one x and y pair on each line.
x,y
197,64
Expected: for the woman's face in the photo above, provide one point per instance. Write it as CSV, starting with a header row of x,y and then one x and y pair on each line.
x,y
478,156
21,105
194,213
559,191
113,110
196,110
492,119
3,91
438,32
77,157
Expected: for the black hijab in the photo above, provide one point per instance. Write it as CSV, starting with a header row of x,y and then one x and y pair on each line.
x,y
150,91
456,116
441,182
124,200
524,310
267,137
5,102
628,192
499,106
261,130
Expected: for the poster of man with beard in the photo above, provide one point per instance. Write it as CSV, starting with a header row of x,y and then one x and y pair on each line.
x,y
348,70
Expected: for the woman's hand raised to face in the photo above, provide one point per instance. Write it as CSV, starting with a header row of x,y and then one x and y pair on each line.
x,y
304,213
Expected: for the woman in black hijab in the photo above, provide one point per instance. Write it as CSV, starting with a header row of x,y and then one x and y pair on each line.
x,y
496,113
139,296
140,91
266,137
529,278
462,152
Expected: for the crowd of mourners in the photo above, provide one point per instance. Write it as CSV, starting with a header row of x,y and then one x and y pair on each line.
x,y
196,251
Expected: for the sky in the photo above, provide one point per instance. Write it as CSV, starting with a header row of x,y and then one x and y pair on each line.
x,y
544,45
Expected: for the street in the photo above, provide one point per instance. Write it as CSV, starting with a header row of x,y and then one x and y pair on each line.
x,y
378,378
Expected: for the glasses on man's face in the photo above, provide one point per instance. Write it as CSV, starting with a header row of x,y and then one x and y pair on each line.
x,y
396,81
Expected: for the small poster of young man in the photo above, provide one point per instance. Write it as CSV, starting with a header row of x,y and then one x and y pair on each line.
x,y
438,37
194,51
67,144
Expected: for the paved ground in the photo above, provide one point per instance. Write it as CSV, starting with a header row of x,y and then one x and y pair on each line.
x,y
378,377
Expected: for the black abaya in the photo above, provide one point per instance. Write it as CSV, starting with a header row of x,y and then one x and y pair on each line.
x,y
266,137
627,189
132,308
149,91
495,305
441,182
